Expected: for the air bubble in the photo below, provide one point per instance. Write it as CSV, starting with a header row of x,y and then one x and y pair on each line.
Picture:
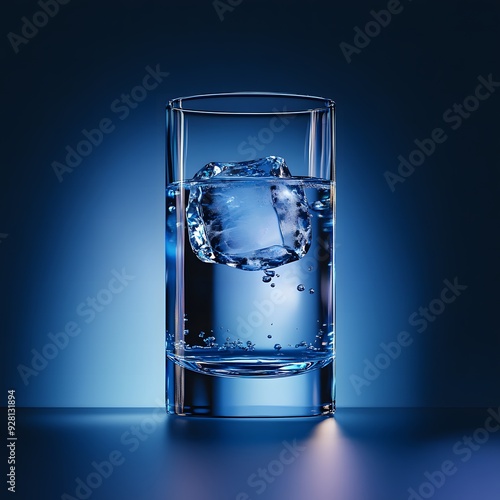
x,y
277,346
273,285
269,336
250,346
266,279
210,342
301,287
318,205
268,272
311,290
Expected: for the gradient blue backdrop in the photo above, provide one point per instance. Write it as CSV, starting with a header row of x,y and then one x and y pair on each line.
x,y
394,249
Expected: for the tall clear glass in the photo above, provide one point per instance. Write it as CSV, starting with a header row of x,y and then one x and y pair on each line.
x,y
250,225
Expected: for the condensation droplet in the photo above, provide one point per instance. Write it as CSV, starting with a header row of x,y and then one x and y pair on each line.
x,y
301,287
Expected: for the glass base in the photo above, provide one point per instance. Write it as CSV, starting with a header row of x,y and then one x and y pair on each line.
x,y
311,393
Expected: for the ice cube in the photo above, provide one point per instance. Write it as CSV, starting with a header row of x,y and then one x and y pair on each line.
x,y
248,215
271,166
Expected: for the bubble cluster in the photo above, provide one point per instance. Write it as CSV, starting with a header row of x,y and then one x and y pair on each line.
x,y
301,344
269,274
230,345
210,342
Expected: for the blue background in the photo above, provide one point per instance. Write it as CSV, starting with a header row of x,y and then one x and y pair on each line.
x,y
394,249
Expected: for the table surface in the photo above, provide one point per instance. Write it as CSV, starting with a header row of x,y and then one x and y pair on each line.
x,y
361,453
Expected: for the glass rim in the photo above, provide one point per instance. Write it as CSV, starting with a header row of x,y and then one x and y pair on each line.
x,y
322,103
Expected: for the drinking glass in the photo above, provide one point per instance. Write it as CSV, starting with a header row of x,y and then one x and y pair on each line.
x,y
250,225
